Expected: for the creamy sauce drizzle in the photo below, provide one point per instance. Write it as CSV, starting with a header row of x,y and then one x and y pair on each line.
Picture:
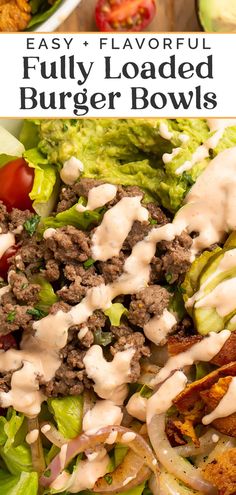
x,y
84,476
202,351
221,298
6,241
32,436
137,406
164,131
98,196
159,327
110,378
71,171
162,400
104,413
226,406
217,126
209,210
117,222
168,157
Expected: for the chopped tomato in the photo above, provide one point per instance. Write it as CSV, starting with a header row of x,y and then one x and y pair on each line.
x,y
4,261
7,342
124,15
16,179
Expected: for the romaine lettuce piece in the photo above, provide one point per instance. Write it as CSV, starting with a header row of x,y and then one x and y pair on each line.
x,y
115,312
29,134
81,220
68,414
45,187
23,484
9,145
47,296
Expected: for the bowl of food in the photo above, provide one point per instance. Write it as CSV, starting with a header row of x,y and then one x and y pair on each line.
x,y
118,310
217,16
34,15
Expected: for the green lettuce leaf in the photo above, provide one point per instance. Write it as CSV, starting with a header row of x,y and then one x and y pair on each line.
x,y
80,220
68,414
9,145
47,296
115,312
23,484
44,12
45,175
17,459
29,134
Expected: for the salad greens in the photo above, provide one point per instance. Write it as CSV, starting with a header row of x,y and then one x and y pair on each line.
x,y
68,414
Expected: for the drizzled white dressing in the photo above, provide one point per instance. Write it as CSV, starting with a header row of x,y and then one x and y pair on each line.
x,y
98,196
202,351
117,222
6,241
217,126
159,327
226,406
164,131
137,406
209,210
104,413
162,400
71,170
110,378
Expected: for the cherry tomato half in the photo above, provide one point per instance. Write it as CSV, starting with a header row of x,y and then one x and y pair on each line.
x,y
7,342
16,179
4,261
124,15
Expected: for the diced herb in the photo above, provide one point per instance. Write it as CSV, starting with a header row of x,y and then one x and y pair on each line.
x,y
181,289
168,277
31,224
65,127
23,286
102,338
152,221
47,473
89,262
36,313
108,479
11,317
188,178
146,392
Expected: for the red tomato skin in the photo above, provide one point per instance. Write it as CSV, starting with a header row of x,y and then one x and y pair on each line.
x,y
121,10
16,182
4,261
7,342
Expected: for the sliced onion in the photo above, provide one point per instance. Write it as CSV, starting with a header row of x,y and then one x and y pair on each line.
x,y
225,443
169,485
131,468
172,462
206,445
52,434
36,448
83,442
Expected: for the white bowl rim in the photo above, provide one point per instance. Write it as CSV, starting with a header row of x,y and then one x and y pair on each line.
x,y
56,19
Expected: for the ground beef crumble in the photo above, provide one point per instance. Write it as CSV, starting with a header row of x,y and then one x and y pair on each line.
x,y
60,259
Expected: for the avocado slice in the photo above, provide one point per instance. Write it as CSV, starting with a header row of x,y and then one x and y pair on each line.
x,y
217,15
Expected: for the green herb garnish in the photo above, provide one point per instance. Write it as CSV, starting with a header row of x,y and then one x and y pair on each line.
x,y
89,262
146,392
152,221
36,313
31,224
11,317
108,479
168,277
102,338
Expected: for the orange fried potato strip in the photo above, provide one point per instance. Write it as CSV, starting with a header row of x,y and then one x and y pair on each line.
x,y
221,472
177,344
186,400
14,15
212,398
